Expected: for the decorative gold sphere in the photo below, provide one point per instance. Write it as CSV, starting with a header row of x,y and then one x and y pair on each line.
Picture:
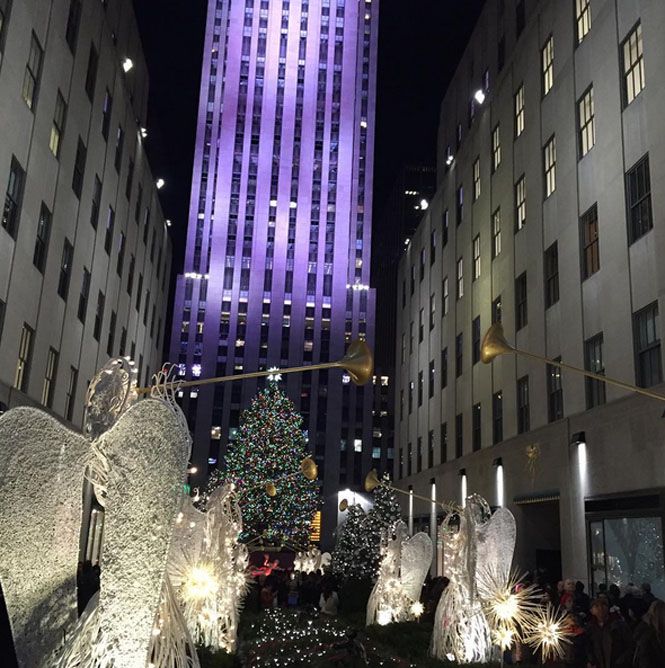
x,y
309,468
271,490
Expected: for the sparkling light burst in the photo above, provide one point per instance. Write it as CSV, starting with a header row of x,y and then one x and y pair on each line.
x,y
200,583
549,632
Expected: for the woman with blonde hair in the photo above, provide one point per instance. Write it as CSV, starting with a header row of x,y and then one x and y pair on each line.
x,y
650,638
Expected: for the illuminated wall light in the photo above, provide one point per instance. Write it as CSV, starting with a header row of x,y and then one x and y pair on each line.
x,y
160,183
410,510
144,132
579,439
273,202
479,96
463,486
500,494
127,64
424,204
196,370
168,222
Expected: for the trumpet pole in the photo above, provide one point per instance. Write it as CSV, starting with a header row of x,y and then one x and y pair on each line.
x,y
244,376
591,374
414,495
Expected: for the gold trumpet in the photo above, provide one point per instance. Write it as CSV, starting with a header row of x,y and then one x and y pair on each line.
x,y
494,344
358,362
372,482
343,505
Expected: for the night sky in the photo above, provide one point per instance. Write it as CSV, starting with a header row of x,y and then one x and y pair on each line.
x,y
420,44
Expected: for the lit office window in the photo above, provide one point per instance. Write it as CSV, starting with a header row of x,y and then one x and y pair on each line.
x,y
583,17
476,257
520,203
587,128
638,187
49,378
476,179
519,111
460,278
496,148
58,126
33,71
549,160
633,65
547,61
590,243
496,233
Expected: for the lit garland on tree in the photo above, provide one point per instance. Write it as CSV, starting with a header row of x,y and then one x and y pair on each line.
x,y
358,549
269,448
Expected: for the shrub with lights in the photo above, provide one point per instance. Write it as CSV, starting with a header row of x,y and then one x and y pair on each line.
x,y
276,500
358,549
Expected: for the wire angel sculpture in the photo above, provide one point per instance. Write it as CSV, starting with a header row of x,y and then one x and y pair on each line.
x,y
475,541
402,571
311,560
135,454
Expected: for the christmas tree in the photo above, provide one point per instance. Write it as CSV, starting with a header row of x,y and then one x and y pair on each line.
x,y
357,552
269,448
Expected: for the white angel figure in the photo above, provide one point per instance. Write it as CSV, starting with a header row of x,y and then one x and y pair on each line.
x,y
402,571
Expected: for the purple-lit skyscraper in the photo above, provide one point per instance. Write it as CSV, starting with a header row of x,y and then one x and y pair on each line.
x,y
277,265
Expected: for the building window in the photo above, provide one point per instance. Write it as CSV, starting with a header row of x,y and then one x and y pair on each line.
x,y
646,332
411,389
99,316
107,108
83,296
41,241
501,53
476,257
520,203
432,247
413,280
91,73
13,198
523,405
476,431
459,136
73,22
5,7
590,243
446,295
111,337
496,148
496,233
475,340
33,71
460,279
24,358
444,442
459,351
403,358
119,144
633,65
554,392
549,164
497,417
430,449
547,60
79,168
108,234
459,435
401,404
422,265
476,179
583,17
421,387
460,204
58,127
430,391
551,263
444,229
519,111
593,361
638,186
585,119
70,396
496,310
121,253
432,311
410,338
520,16
421,325
96,202
444,368
419,454
49,378
65,269
3,310
521,318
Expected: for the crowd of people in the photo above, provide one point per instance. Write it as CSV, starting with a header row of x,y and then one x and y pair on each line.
x,y
284,588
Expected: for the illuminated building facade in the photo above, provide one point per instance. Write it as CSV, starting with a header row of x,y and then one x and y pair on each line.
x,y
277,264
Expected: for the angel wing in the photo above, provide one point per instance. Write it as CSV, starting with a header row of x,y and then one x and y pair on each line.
x,y
495,543
416,560
42,465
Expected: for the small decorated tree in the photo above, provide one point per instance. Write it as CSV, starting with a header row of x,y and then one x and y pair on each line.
x,y
269,448
357,552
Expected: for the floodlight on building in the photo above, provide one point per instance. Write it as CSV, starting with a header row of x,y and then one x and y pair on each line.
x,y
463,486
424,204
498,463
160,183
127,64
479,96
144,132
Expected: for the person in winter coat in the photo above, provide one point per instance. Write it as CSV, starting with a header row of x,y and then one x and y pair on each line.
x,y
649,637
609,641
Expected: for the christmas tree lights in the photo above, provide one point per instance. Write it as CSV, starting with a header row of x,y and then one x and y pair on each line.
x,y
267,453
